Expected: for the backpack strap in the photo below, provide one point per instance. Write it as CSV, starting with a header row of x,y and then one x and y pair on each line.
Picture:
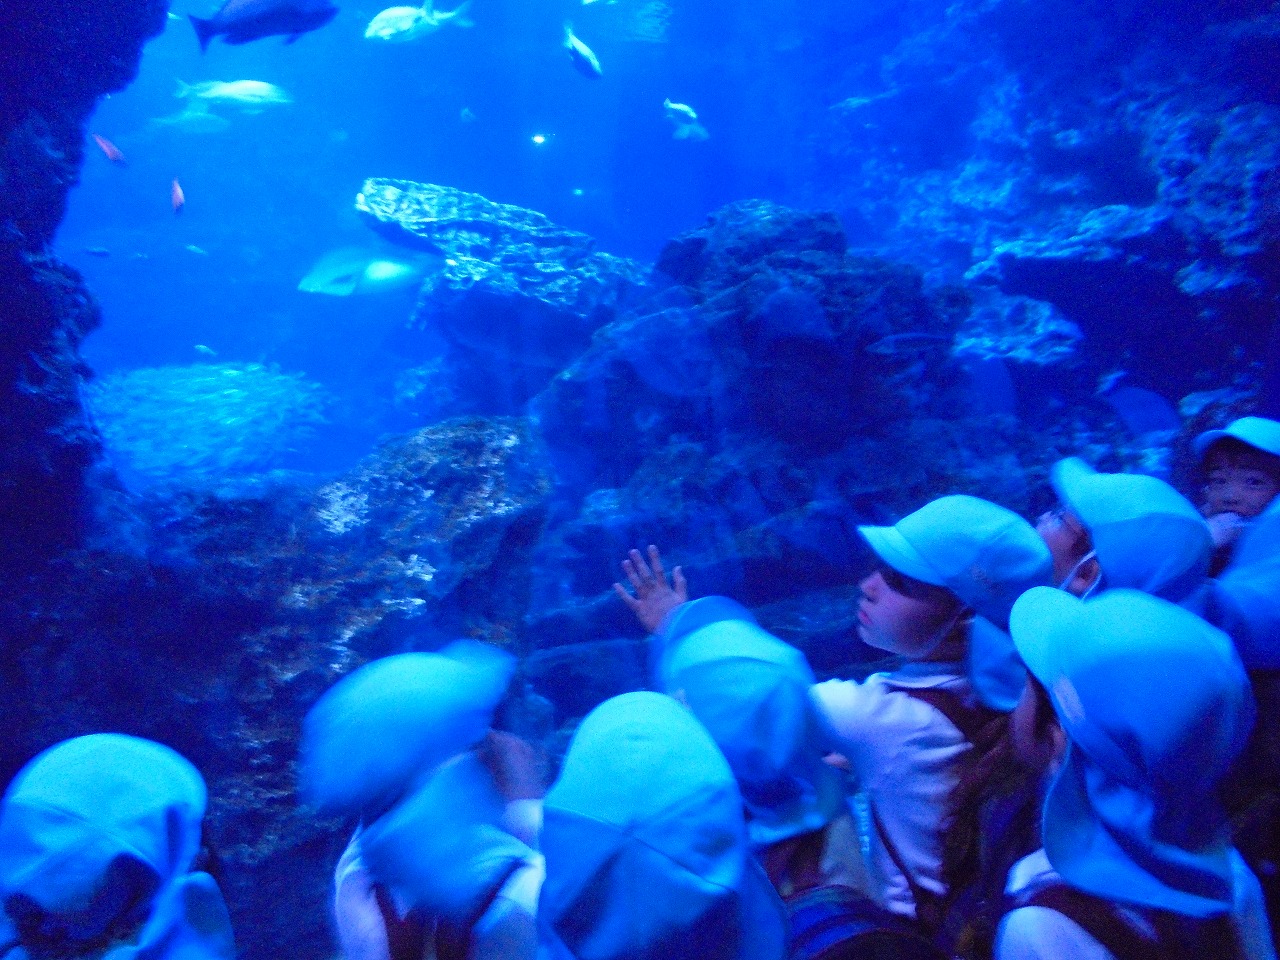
x,y
1095,916
407,935
973,720
453,937
833,922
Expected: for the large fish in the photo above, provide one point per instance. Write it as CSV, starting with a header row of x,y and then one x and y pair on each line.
x,y
252,96
408,23
239,21
340,273
583,57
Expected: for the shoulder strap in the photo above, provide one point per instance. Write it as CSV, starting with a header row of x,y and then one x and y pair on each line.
x,y
969,718
407,935
972,720
453,937
1097,917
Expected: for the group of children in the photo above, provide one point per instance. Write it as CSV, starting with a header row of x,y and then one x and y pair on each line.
x,y
1043,774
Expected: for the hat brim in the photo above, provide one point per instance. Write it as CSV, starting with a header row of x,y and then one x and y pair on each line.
x,y
1202,443
892,547
1037,623
1071,480
1094,857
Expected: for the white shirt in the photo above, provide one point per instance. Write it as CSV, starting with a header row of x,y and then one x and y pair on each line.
x,y
904,754
1038,933
506,931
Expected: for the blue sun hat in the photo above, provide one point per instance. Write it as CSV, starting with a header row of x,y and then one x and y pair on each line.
x,y
382,728
1258,432
751,693
987,556
97,838
1156,706
442,848
1147,536
646,848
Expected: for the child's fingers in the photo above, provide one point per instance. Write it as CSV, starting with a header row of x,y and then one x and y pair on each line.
x,y
655,564
633,575
641,568
678,582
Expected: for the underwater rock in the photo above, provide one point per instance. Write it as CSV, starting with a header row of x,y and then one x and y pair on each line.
x,y
217,633
517,296
767,334
1017,329
60,58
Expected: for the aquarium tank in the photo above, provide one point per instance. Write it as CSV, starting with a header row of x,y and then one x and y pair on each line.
x,y
339,331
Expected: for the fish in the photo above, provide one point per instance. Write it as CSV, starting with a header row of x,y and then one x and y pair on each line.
x,y
466,116
177,199
196,118
354,270
204,351
97,251
192,248
685,119
679,112
399,24
241,21
584,61
252,96
108,148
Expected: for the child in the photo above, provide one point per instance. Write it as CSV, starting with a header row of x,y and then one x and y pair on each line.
x,y
1241,469
955,561
1152,706
1123,530
98,839
646,847
402,743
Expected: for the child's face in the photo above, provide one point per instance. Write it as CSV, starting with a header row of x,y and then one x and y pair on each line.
x,y
904,616
1234,486
1067,539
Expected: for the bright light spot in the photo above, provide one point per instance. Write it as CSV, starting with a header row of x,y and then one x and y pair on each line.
x,y
577,191
539,139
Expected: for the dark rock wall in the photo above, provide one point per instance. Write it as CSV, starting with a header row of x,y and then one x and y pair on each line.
x,y
1118,161
56,60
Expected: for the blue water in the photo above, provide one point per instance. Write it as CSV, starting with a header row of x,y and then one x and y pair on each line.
x,y
272,192
792,95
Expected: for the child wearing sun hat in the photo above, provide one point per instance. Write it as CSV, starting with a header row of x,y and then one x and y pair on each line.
x,y
1152,706
940,599
99,836
646,846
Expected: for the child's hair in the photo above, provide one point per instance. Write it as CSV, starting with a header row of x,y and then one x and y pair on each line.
x,y
1233,452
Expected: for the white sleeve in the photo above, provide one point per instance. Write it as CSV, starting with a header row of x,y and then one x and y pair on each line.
x,y
1038,933
848,711
362,932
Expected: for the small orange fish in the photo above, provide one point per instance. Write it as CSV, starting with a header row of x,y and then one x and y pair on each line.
x,y
177,198
110,149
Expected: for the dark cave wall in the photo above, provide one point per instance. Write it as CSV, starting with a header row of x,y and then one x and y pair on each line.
x,y
57,57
